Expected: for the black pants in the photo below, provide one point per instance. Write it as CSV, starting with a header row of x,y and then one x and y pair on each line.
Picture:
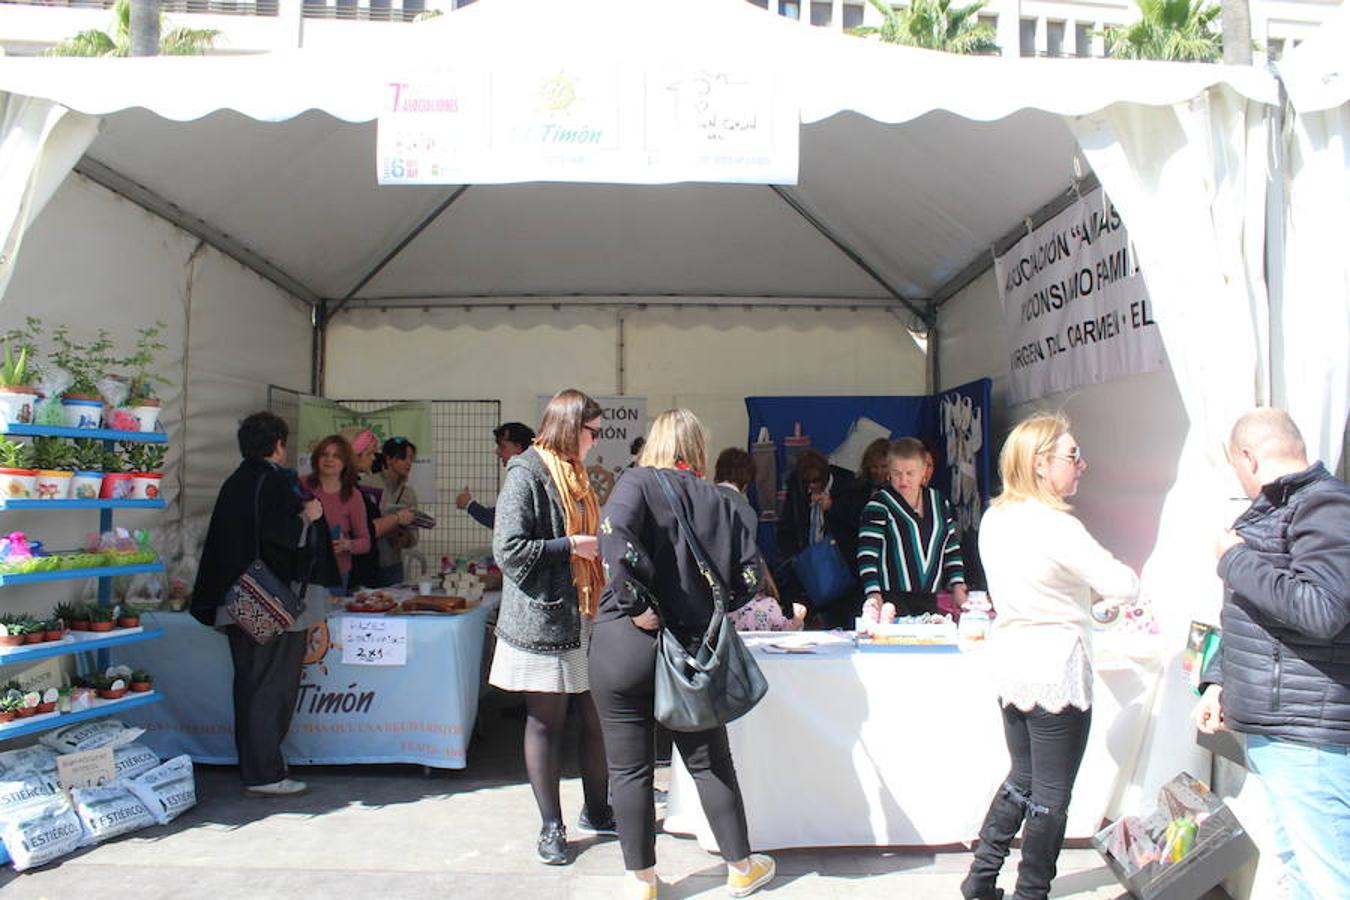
x,y
1046,750
266,683
622,661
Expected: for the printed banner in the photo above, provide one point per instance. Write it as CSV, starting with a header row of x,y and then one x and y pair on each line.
x,y
320,418
624,421
589,121
1076,307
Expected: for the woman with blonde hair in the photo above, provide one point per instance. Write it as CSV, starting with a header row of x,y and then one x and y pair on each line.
x,y
545,543
1042,568
654,581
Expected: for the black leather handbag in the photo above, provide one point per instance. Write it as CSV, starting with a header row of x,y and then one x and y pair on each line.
x,y
259,602
721,681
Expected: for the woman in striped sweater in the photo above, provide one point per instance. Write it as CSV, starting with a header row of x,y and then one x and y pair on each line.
x,y
909,547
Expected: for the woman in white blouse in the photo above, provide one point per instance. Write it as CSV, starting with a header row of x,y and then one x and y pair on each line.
x,y
1042,567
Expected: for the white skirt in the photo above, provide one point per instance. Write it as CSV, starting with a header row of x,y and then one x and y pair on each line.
x,y
514,669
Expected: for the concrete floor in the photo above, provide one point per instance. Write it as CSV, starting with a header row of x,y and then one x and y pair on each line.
x,y
391,831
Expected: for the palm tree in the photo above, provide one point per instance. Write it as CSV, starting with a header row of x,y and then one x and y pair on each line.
x,y
1177,30
934,25
174,42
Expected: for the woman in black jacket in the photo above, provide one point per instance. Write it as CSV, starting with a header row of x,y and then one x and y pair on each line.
x,y
266,676
654,581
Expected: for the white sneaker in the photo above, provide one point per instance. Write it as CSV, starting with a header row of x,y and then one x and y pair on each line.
x,y
283,788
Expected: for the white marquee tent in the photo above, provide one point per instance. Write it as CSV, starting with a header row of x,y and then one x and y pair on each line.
x,y
276,258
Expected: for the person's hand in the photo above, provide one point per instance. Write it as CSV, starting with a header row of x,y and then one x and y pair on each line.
x,y
823,500
587,546
872,608
1228,538
799,615
342,545
404,517
647,620
887,613
1208,713
959,595
463,498
312,510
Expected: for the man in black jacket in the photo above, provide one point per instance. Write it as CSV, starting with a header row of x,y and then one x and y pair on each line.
x,y
1282,674
823,501
266,676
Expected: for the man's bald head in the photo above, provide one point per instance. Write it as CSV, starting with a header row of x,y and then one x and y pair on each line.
x,y
1264,446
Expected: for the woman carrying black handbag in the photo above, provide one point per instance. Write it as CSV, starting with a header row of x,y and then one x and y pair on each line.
x,y
654,582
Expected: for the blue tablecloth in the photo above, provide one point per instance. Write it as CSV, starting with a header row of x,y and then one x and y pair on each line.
x,y
420,713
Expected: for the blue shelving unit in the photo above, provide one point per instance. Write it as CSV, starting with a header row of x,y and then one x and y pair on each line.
x,y
68,574
20,727
81,504
102,434
31,652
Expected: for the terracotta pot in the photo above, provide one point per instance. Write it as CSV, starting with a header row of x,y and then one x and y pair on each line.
x,y
35,637
46,707
140,687
26,712
100,626
78,624
11,640
54,635
109,694
8,715
129,622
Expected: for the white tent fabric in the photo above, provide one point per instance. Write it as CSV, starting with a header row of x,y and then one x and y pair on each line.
x,y
1312,315
40,142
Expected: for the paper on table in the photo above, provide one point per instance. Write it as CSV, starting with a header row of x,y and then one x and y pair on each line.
x,y
374,641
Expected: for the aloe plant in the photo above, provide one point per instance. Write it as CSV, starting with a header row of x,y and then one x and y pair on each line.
x,y
19,365
88,455
144,457
52,453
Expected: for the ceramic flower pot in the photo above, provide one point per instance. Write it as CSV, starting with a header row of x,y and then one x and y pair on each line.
x,y
18,484
146,485
86,485
52,485
147,415
116,486
82,410
17,405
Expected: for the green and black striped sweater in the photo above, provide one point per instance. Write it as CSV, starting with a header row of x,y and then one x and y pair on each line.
x,y
898,550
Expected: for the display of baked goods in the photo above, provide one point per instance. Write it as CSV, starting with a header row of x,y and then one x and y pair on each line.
x,y
909,631
371,602
435,603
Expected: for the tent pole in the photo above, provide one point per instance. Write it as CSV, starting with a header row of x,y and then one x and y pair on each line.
x,y
934,359
856,258
318,347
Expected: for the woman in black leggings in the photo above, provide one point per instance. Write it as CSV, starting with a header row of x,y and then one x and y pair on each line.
x,y
654,580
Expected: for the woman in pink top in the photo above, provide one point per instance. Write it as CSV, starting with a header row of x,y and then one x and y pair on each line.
x,y
332,480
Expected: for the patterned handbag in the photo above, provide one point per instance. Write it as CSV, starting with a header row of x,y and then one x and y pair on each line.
x,y
259,602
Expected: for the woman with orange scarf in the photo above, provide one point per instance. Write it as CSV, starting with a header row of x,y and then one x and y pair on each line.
x,y
545,542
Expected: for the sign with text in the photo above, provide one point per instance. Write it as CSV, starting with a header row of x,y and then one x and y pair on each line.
x,y
1075,303
320,418
90,768
623,420
374,641
579,120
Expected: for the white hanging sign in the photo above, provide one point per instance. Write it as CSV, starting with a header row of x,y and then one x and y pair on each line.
x,y
1076,307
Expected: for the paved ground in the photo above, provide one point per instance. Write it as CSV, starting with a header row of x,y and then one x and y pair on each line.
x,y
391,831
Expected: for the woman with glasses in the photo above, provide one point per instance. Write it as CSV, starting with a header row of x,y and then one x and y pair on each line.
x,y
545,542
1042,568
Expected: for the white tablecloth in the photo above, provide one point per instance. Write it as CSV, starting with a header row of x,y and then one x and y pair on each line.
x,y
900,749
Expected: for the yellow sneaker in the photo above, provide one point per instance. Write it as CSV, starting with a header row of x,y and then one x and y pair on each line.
x,y
759,874
636,889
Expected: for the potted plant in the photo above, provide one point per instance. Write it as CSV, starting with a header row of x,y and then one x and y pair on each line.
x,y
18,371
17,480
117,482
110,688
101,618
142,384
50,697
51,458
140,681
86,364
143,463
34,632
54,630
87,458
128,618
9,708
11,630
76,615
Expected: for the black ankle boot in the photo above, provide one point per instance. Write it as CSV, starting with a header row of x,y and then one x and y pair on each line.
x,y
996,834
1041,841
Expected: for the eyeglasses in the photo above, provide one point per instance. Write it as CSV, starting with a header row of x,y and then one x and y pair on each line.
x,y
595,432
1075,456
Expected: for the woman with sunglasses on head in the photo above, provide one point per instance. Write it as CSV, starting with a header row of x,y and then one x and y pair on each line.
x,y
398,500
545,542
1042,568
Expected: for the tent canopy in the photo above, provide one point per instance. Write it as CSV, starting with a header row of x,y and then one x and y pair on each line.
x,y
911,163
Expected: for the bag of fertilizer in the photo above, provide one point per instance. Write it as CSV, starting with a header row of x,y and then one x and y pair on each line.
x,y
109,810
25,790
90,736
134,759
167,791
27,759
41,833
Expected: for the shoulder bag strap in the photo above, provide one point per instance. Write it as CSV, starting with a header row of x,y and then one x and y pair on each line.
x,y
710,572
257,536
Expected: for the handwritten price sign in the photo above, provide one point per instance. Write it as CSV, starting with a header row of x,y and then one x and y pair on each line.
x,y
374,641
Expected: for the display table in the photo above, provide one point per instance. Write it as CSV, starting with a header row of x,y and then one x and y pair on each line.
x,y
900,749
421,712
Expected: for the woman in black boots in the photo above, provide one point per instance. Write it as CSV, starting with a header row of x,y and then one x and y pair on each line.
x,y
1042,567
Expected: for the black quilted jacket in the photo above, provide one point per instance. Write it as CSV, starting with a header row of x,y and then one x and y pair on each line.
x,y
1284,661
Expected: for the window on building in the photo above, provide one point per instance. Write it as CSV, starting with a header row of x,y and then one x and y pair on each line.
x,y
1275,49
822,13
790,10
853,15
1083,37
1027,37
1054,38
